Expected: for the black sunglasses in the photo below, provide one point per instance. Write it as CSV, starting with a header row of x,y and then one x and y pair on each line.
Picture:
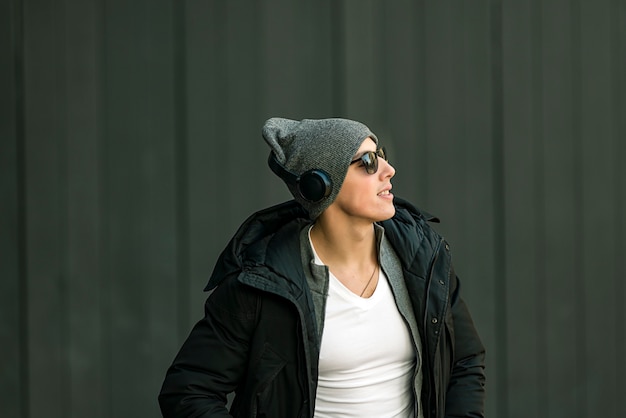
x,y
370,160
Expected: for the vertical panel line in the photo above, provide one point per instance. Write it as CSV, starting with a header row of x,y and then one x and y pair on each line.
x,y
18,59
500,289
422,82
182,186
539,201
578,279
102,367
338,45
618,132
105,248
63,202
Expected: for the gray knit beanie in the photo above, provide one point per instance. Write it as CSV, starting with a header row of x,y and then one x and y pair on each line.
x,y
315,144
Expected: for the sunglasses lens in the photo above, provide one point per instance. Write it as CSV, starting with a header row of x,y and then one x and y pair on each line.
x,y
370,161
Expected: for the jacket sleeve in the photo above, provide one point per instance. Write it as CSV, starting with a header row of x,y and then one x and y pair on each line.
x,y
213,359
466,389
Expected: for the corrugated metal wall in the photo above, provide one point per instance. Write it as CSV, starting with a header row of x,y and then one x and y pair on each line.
x,y
130,152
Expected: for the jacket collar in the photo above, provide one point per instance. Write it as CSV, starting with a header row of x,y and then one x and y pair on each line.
x,y
253,242
272,237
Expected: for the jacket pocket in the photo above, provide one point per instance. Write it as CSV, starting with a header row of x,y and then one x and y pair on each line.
x,y
269,366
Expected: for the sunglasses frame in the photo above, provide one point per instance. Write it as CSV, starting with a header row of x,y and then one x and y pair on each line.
x,y
370,160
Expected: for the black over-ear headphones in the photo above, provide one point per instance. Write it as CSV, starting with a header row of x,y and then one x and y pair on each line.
x,y
313,185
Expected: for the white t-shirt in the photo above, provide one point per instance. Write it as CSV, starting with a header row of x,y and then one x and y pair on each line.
x,y
367,360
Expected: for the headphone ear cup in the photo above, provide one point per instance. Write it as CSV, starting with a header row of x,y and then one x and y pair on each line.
x,y
314,185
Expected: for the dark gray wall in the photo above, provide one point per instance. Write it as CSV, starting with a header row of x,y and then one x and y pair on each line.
x,y
130,152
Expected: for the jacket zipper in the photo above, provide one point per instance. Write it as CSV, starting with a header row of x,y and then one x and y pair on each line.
x,y
426,409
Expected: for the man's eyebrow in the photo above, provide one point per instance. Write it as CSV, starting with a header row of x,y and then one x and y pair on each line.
x,y
359,155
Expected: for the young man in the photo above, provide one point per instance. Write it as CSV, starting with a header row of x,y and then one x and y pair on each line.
x,y
340,303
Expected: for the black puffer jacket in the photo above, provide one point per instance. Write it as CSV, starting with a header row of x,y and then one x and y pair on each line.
x,y
258,338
